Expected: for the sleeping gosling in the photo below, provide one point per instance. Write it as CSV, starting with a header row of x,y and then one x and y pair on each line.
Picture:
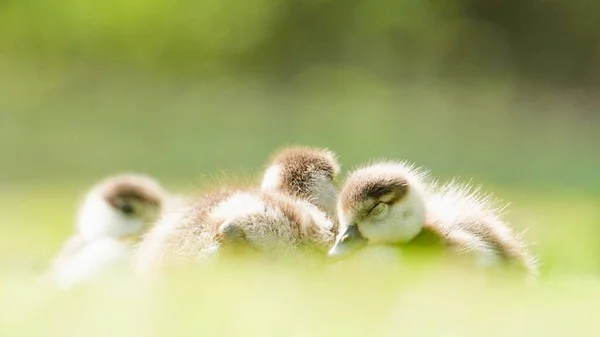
x,y
236,222
287,214
390,203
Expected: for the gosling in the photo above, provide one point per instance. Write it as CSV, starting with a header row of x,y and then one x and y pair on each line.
x,y
230,221
297,180
291,213
110,221
391,203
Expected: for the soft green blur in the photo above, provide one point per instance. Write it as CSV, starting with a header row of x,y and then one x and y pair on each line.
x,y
197,91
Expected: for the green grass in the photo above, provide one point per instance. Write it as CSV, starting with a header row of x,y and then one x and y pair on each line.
x,y
414,298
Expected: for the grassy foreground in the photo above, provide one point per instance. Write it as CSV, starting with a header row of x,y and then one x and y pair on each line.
x,y
255,300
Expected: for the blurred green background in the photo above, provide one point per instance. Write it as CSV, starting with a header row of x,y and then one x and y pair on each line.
x,y
501,91
497,90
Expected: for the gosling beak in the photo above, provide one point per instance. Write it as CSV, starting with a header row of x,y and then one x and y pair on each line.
x,y
348,242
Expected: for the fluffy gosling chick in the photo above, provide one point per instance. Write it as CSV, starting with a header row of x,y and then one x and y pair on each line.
x,y
305,173
389,203
227,220
278,218
110,220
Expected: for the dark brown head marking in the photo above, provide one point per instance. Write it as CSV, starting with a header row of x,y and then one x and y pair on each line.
x,y
381,187
119,191
360,189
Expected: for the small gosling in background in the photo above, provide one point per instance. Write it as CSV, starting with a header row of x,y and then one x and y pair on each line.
x,y
391,203
110,220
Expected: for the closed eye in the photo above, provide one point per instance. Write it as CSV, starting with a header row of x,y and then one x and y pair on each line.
x,y
377,209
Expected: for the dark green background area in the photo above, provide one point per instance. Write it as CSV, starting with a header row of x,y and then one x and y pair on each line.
x,y
80,125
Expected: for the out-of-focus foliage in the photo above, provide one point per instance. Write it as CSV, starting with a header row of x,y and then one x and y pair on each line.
x,y
547,41
80,124
499,90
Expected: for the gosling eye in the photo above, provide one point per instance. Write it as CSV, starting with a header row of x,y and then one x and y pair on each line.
x,y
345,239
378,209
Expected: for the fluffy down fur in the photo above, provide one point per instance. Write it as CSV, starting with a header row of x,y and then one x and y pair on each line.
x,y
271,224
471,222
182,236
305,173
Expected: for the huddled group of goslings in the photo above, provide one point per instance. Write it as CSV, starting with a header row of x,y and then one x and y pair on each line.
x,y
299,209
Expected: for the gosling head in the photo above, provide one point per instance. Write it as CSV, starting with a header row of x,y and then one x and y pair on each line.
x,y
304,173
120,207
380,204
